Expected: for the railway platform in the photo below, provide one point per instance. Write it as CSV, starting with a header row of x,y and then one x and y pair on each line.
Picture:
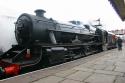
x,y
104,67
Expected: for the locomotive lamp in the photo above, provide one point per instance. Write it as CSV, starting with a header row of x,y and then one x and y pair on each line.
x,y
13,69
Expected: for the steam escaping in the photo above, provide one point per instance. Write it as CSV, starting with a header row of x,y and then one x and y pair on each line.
x,y
7,35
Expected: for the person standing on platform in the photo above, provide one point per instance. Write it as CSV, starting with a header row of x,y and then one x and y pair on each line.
x,y
119,43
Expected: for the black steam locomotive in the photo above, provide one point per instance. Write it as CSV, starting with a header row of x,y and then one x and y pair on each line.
x,y
46,41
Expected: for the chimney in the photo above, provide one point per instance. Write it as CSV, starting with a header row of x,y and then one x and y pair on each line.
x,y
40,12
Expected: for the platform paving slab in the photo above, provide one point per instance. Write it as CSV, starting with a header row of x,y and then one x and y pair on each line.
x,y
120,63
120,80
85,69
50,79
109,72
100,78
99,66
70,81
110,68
105,62
79,76
120,69
65,73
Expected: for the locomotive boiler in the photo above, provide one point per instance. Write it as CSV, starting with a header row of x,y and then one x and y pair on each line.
x,y
31,29
43,41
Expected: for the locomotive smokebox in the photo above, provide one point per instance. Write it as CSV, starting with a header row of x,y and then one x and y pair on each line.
x,y
31,28
40,12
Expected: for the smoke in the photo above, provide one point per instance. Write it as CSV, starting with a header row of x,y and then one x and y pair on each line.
x,y
7,36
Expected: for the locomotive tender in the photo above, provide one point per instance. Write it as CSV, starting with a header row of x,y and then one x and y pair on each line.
x,y
46,41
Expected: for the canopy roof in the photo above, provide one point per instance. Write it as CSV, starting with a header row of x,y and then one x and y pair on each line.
x,y
119,6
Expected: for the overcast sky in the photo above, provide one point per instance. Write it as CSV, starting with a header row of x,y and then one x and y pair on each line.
x,y
66,10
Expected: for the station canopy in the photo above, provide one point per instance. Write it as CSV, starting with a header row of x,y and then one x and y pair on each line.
x,y
119,6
